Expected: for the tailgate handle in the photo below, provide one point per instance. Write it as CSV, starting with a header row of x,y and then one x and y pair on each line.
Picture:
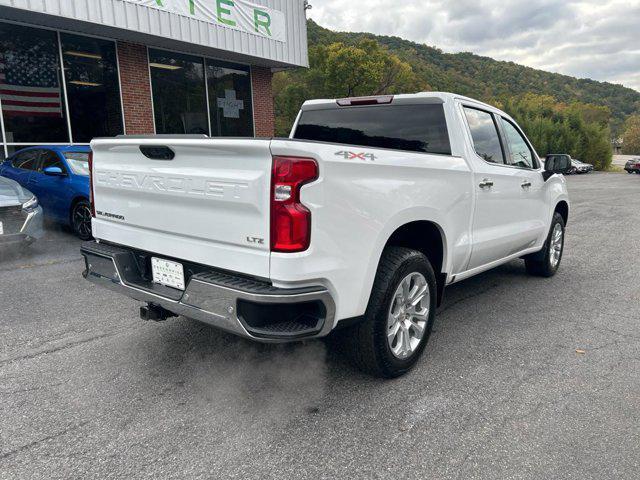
x,y
157,152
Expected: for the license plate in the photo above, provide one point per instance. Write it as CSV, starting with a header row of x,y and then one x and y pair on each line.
x,y
166,272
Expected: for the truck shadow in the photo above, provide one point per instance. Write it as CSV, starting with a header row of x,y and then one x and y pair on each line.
x,y
223,366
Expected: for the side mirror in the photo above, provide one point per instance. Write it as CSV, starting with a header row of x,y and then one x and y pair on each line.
x,y
53,172
556,164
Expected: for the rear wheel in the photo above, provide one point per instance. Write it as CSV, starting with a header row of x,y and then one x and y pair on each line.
x,y
547,262
81,220
399,317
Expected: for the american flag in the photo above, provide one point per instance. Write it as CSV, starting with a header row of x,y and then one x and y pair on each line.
x,y
29,84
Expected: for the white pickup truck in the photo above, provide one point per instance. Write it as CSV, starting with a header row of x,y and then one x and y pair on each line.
x,y
354,224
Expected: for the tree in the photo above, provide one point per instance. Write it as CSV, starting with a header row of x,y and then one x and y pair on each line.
x,y
579,129
631,137
339,70
560,114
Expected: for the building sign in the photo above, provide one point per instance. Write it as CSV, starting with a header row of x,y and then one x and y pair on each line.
x,y
230,105
237,14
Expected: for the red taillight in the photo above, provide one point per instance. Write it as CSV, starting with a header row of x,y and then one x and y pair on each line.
x,y
93,206
290,219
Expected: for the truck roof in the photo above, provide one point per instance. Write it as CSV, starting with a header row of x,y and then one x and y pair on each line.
x,y
426,97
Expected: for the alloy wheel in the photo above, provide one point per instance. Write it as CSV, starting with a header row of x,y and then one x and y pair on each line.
x,y
555,246
408,315
82,220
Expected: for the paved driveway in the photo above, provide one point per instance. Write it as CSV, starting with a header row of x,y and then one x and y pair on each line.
x,y
88,390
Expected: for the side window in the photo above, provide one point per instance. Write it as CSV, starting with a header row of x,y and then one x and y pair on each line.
x,y
51,159
484,132
520,154
26,160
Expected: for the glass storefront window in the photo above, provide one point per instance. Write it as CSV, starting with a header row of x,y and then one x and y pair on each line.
x,y
179,97
93,90
229,99
30,85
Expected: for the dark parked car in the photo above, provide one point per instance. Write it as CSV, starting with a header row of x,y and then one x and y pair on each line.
x,y
633,165
59,177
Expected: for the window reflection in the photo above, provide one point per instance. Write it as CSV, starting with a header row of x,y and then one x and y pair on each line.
x,y
485,135
179,98
229,99
27,160
30,85
93,92
51,159
520,154
12,149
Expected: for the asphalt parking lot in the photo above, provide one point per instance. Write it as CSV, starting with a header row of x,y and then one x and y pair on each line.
x,y
523,377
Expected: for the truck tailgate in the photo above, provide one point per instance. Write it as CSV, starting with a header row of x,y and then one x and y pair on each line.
x,y
209,204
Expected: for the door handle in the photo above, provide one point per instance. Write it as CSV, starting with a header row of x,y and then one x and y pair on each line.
x,y
526,184
486,183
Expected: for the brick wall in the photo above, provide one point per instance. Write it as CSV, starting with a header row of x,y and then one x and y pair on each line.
x,y
263,114
136,91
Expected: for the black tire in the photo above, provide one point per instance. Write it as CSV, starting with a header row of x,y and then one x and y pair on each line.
x,y
541,264
81,220
366,343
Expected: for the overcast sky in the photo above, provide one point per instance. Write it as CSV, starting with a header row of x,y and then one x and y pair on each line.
x,y
598,39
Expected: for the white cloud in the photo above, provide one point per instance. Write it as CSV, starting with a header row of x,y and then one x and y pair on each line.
x,y
597,39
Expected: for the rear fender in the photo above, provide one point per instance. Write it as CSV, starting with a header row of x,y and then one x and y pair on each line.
x,y
405,217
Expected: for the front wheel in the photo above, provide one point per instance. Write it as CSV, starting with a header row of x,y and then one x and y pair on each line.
x,y
399,316
546,262
81,220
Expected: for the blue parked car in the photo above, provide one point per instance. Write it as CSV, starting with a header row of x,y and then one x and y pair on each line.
x,y
59,177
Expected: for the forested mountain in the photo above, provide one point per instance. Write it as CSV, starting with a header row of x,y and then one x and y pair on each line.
x,y
561,114
486,78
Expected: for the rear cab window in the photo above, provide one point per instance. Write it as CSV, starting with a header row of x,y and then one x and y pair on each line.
x,y
414,128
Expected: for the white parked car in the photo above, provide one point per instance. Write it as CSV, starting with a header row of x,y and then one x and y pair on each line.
x,y
20,215
580,167
354,224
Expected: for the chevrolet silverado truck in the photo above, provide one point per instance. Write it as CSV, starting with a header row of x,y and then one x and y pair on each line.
x,y
354,225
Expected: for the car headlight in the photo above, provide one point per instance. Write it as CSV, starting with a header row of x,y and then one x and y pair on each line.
x,y
30,204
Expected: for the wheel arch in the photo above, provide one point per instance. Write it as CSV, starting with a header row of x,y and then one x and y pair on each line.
x,y
77,199
427,237
562,207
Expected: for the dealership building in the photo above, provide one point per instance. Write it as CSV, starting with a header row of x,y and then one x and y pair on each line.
x,y
72,70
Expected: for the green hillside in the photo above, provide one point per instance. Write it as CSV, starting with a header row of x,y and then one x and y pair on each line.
x,y
560,114
489,79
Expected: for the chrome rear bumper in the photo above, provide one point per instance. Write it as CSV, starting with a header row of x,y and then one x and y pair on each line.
x,y
243,306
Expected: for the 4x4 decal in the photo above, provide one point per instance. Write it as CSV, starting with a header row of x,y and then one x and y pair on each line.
x,y
356,155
